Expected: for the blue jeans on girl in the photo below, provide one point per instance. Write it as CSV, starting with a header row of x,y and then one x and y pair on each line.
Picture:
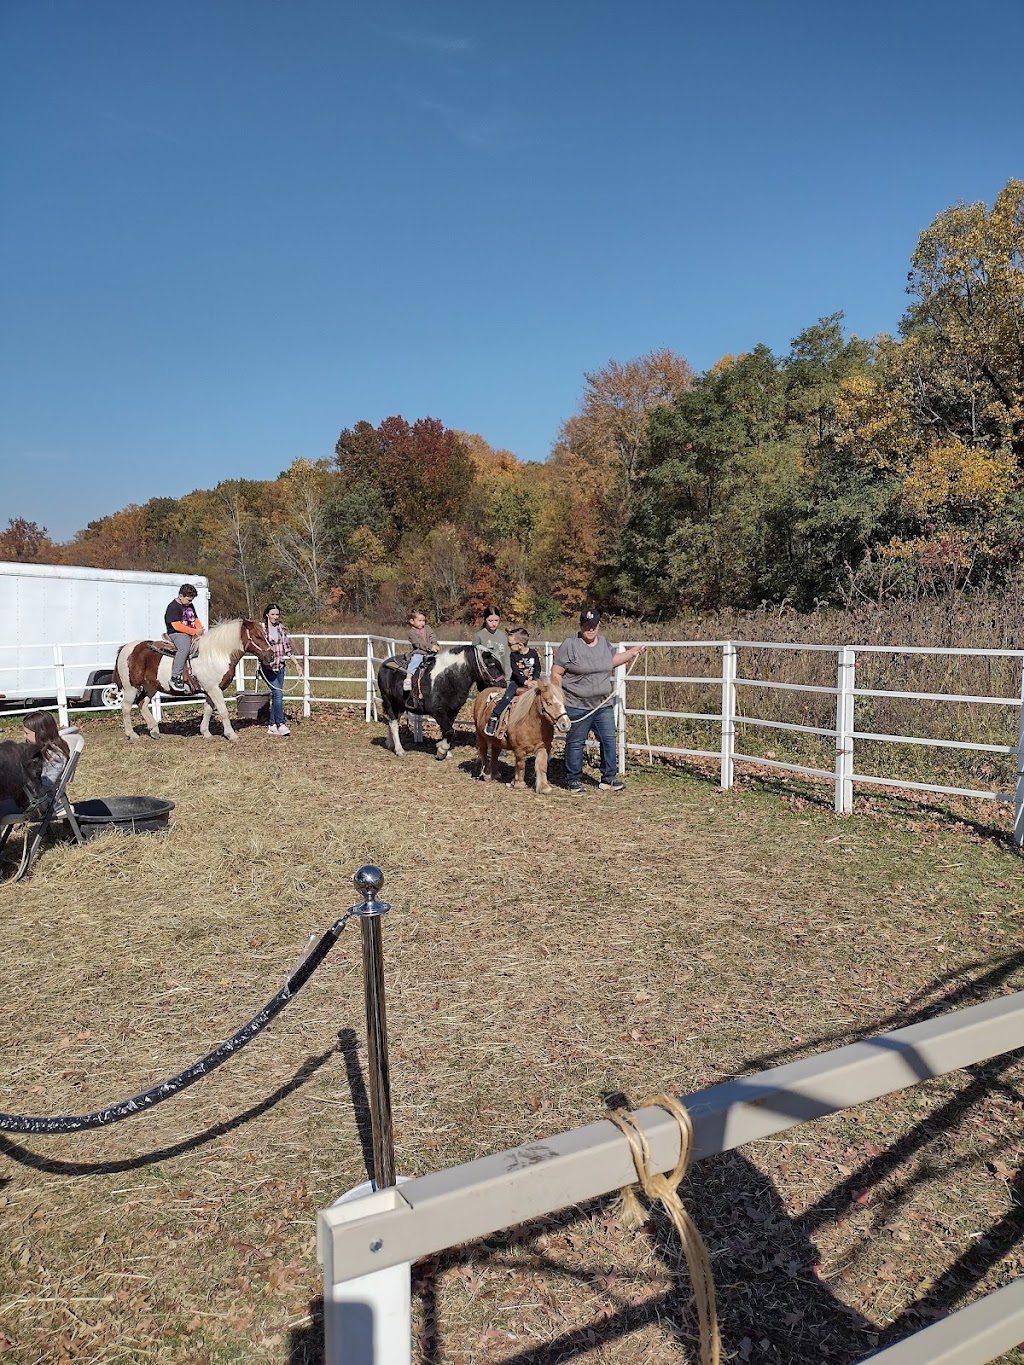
x,y
275,677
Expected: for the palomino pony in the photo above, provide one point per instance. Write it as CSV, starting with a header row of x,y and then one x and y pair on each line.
x,y
143,670
533,721
442,684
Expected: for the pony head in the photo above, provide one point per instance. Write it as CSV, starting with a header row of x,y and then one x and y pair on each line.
x,y
489,672
254,641
551,700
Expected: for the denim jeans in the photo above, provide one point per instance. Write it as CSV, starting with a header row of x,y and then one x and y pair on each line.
x,y
601,724
183,646
503,700
275,677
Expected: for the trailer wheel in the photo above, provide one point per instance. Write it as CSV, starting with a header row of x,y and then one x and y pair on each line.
x,y
110,694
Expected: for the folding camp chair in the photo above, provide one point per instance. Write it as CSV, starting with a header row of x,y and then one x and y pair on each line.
x,y
53,805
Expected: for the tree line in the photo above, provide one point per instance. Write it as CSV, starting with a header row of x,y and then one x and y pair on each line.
x,y
845,470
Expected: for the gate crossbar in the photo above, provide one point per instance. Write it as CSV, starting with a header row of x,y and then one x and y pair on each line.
x,y
466,1202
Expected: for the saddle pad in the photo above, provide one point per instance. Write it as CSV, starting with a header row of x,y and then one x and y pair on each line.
x,y
165,646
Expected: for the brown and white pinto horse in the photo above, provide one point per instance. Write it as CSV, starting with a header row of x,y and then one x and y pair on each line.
x,y
531,729
142,670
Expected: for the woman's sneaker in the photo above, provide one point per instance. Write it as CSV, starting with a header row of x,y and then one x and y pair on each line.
x,y
273,730
613,786
283,730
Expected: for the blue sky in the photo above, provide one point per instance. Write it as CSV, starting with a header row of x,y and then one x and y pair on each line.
x,y
232,227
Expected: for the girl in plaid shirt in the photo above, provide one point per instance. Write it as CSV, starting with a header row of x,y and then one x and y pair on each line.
x,y
274,672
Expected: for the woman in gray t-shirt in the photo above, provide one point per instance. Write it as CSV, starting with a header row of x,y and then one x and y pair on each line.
x,y
583,669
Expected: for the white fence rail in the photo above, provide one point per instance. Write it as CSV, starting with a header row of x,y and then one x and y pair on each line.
x,y
339,670
361,1241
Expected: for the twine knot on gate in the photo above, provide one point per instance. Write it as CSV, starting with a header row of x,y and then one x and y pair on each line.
x,y
664,1188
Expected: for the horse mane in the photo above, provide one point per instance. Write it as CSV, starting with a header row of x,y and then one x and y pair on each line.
x,y
221,645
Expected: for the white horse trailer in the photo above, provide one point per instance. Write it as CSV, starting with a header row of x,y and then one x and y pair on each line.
x,y
60,618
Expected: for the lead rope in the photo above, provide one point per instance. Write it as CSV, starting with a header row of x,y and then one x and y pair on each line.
x,y
611,697
664,1188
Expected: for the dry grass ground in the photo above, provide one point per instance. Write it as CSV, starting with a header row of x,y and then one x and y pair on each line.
x,y
542,955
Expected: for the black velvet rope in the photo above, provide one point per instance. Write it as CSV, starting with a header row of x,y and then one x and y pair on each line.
x,y
77,1123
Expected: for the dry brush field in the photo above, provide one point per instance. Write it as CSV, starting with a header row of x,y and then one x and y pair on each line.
x,y
542,955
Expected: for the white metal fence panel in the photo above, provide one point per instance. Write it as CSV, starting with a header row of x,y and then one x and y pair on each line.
x,y
340,670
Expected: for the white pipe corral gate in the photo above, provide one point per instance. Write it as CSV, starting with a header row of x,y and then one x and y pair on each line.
x,y
359,1254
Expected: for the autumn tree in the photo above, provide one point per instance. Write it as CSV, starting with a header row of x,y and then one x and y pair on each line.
x,y
300,538
422,470
609,433
26,542
967,286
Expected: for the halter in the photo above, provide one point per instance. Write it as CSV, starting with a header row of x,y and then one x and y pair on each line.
x,y
478,655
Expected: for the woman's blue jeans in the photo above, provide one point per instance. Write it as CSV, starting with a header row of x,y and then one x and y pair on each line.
x,y
275,677
601,724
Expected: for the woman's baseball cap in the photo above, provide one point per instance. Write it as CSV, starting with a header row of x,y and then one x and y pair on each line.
x,y
589,616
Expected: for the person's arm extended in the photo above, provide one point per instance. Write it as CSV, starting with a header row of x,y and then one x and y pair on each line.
x,y
627,656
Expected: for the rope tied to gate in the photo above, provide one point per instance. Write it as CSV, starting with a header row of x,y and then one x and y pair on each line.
x,y
664,1188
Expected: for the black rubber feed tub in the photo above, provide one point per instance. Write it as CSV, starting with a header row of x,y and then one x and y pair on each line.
x,y
130,814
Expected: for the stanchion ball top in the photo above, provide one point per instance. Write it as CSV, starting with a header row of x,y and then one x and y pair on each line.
x,y
368,880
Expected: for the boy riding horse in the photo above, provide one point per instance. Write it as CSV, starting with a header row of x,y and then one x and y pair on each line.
x,y
183,628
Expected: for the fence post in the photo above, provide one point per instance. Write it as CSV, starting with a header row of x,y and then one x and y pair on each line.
x,y
240,676
728,715
371,701
620,719
845,681
62,693
305,675
1018,804
549,658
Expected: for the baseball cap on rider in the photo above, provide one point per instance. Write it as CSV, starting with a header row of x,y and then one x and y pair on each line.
x,y
589,616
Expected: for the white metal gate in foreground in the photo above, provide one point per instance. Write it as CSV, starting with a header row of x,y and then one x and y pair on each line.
x,y
366,1246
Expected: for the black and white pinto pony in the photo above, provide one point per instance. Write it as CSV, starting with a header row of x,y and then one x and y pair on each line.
x,y
446,680
143,670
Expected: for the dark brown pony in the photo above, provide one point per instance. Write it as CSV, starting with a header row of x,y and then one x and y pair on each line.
x,y
143,670
533,721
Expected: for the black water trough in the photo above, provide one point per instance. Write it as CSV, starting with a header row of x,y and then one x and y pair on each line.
x,y
131,814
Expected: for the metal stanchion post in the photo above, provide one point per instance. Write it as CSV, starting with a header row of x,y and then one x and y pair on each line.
x,y
369,880
368,1321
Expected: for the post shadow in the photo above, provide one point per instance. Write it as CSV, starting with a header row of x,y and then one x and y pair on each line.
x,y
349,1044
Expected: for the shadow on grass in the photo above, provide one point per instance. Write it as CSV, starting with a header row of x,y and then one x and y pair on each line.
x,y
886,801
771,1305
16,1152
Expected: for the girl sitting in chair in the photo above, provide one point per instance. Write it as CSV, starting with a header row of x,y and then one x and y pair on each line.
x,y
40,728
